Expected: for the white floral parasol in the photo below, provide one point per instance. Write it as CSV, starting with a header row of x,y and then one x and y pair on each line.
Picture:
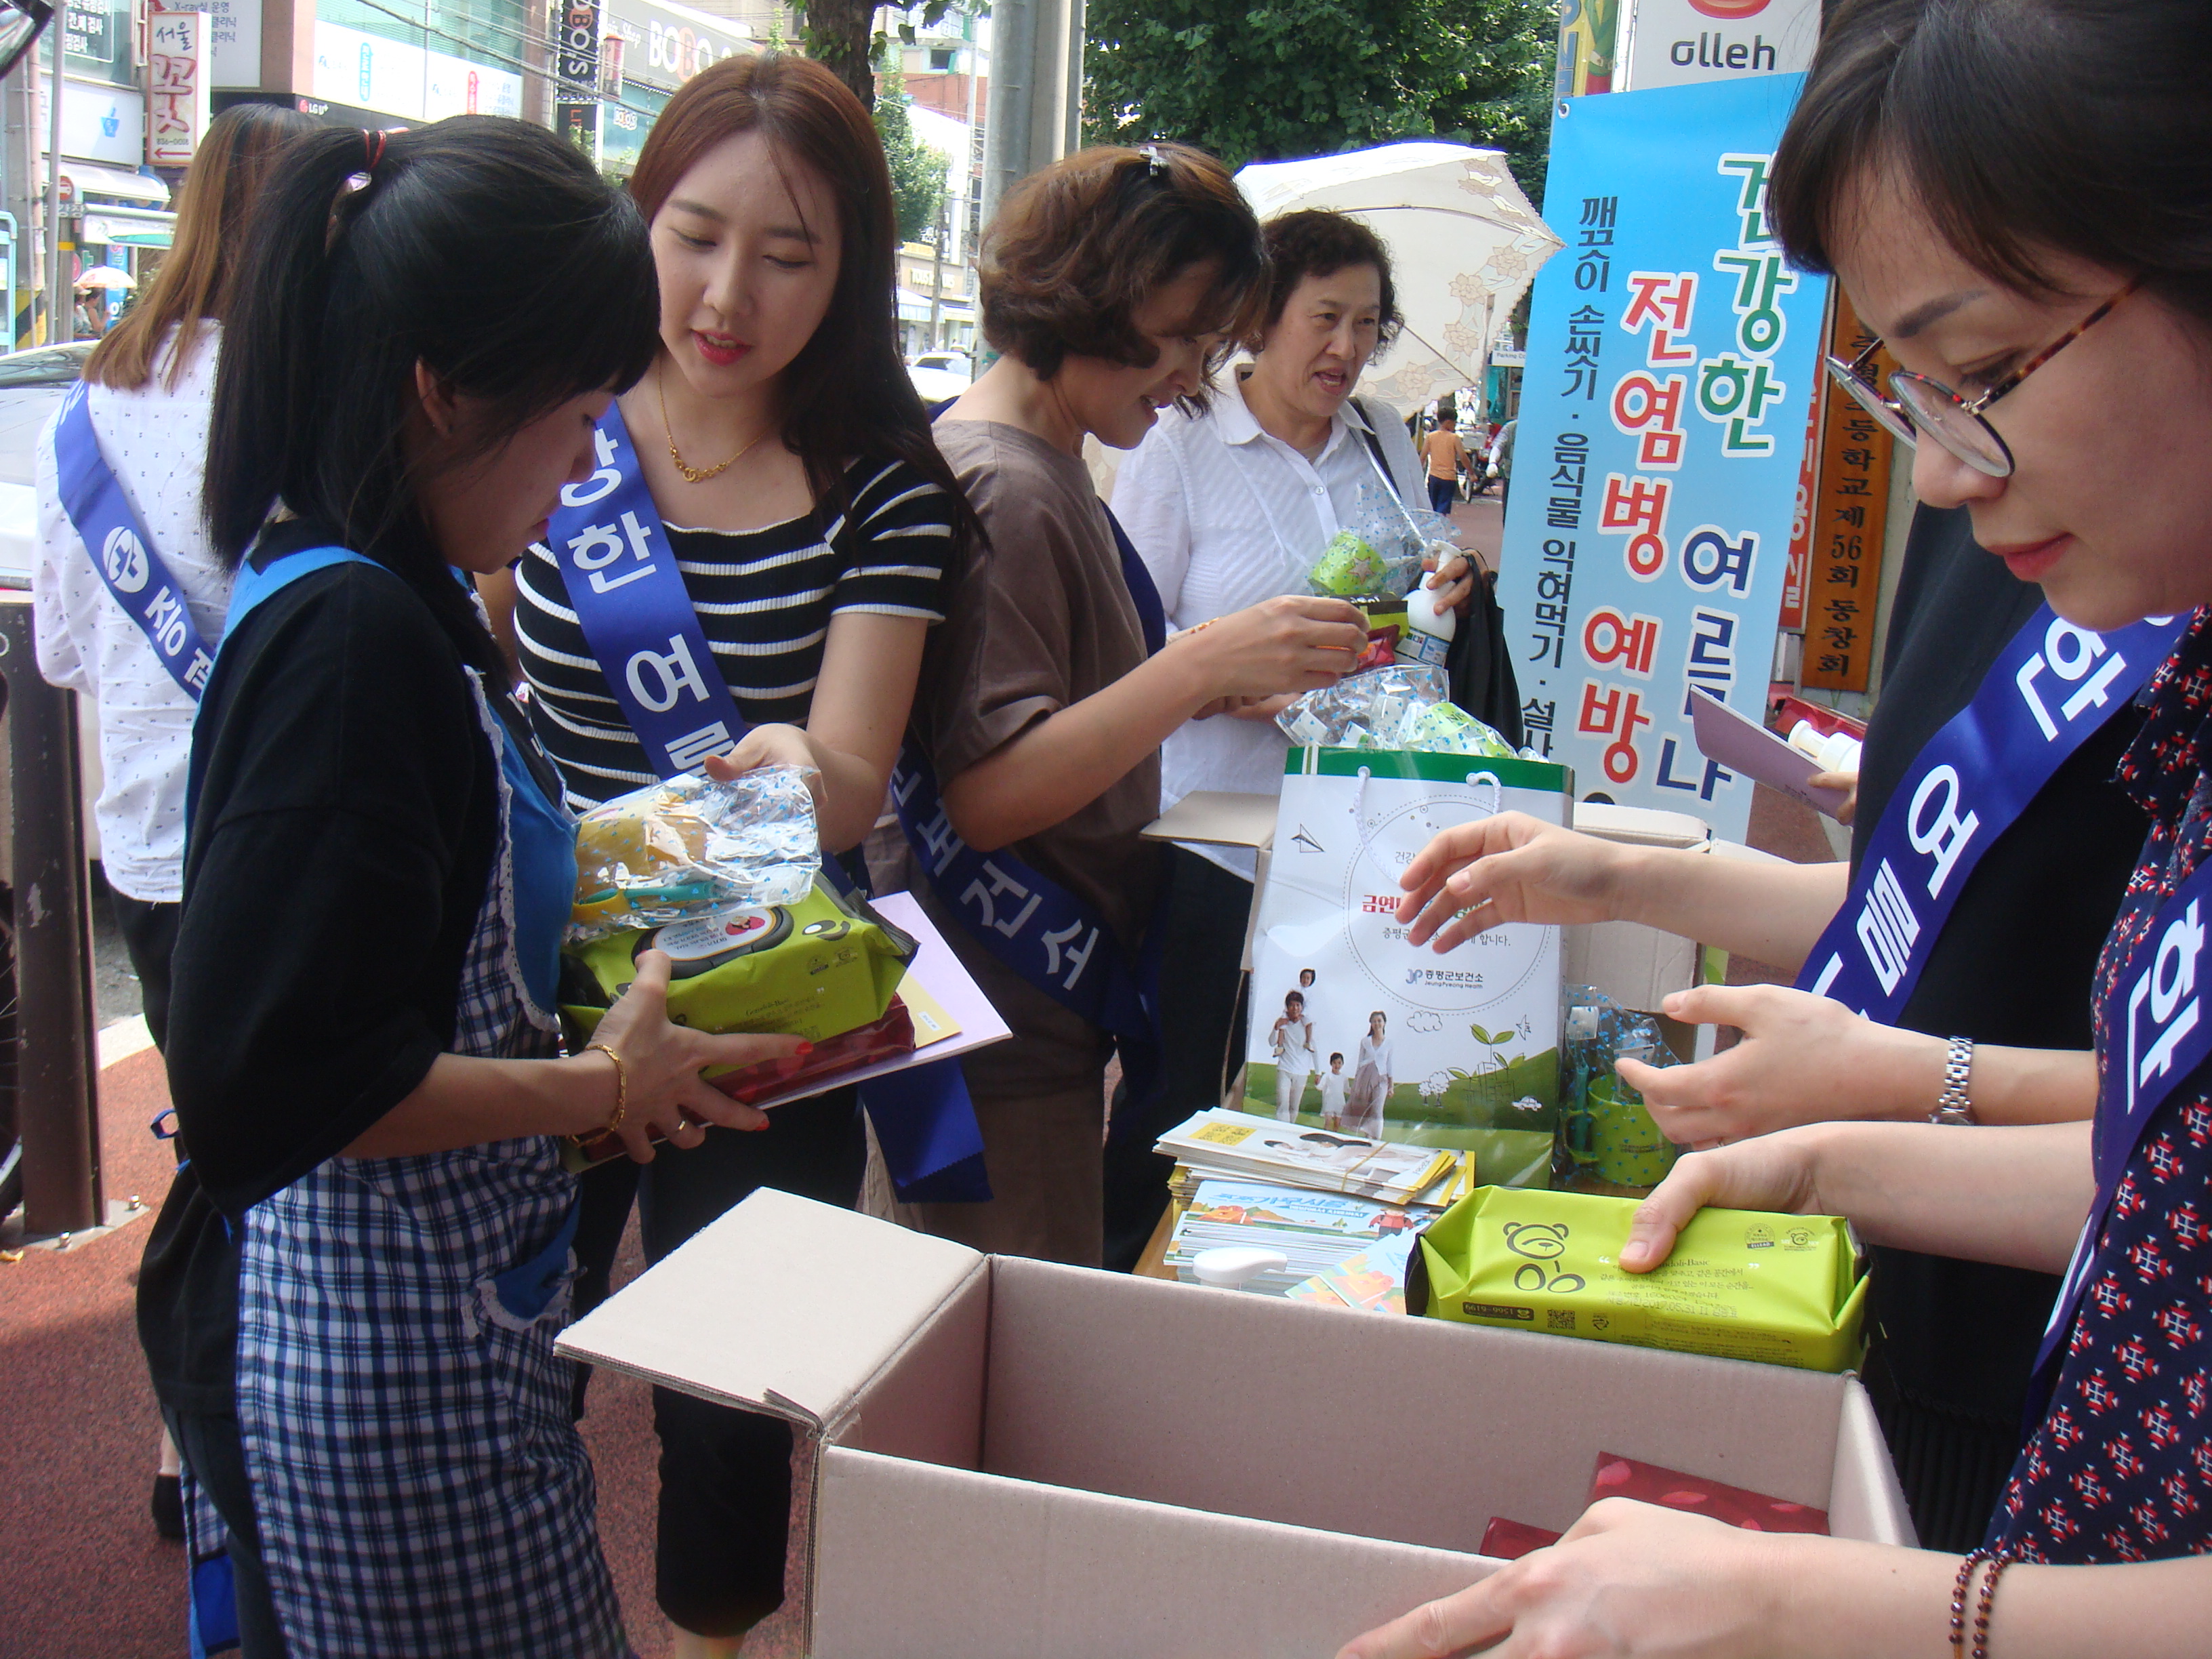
x,y
1464,246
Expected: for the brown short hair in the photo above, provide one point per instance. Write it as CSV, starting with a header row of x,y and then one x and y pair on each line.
x,y
1077,247
1316,242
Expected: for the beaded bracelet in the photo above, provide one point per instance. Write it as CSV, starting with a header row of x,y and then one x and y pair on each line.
x,y
1965,1579
1998,1560
1998,1563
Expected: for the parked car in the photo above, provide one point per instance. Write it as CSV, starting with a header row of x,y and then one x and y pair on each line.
x,y
938,375
32,386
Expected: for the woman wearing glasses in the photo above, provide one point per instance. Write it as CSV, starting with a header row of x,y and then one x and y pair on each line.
x,y
1988,1017
2020,199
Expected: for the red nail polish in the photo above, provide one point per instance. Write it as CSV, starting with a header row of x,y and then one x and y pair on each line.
x,y
804,1050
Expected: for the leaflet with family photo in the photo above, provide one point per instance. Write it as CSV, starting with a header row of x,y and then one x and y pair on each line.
x,y
1356,1032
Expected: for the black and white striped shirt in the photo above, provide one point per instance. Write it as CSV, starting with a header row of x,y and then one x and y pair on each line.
x,y
764,599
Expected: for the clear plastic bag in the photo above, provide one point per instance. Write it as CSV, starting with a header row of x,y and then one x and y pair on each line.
x,y
1607,1141
1379,553
691,845
1404,707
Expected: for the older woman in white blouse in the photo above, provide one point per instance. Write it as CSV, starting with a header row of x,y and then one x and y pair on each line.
x,y
1222,505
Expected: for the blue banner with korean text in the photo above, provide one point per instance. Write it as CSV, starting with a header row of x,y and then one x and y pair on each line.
x,y
1671,356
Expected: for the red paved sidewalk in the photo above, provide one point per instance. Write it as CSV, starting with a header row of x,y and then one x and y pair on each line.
x,y
86,1576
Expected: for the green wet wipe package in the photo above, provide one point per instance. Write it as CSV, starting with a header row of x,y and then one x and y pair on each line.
x,y
816,969
1784,1290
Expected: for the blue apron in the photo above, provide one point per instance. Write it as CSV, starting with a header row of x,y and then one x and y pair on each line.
x,y
418,1484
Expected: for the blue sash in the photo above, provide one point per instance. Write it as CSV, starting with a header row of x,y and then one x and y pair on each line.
x,y
620,572
630,601
1029,922
2158,1037
121,551
2050,689
1040,930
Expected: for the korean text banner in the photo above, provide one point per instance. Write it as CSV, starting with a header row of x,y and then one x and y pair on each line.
x,y
1671,356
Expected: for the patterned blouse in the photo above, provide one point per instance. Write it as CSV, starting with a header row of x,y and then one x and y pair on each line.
x,y
2120,1469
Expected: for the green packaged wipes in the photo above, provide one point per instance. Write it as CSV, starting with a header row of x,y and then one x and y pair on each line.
x,y
1784,1290
816,969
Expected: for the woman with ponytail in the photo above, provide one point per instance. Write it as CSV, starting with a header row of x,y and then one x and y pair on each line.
x,y
350,1297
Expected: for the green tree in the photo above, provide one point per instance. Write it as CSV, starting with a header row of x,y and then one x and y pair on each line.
x,y
841,36
1274,80
917,171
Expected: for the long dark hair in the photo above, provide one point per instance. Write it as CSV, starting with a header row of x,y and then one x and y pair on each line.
x,y
194,283
2081,127
484,248
846,391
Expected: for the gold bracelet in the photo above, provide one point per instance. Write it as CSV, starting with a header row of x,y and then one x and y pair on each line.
x,y
622,1084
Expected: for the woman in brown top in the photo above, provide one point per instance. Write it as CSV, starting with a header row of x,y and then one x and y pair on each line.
x,y
1113,282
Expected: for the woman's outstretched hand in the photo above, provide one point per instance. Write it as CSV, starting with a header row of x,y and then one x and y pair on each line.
x,y
1627,1579
1509,868
661,1063
1804,1058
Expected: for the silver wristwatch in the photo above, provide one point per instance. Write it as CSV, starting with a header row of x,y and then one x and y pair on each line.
x,y
1952,1106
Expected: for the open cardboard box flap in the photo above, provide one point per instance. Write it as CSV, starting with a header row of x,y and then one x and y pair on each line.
x,y
1006,1457
784,1305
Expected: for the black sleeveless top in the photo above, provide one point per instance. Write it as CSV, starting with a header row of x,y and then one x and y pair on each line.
x,y
1955,1340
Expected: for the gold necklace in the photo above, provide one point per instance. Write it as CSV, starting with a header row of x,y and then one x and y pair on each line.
x,y
692,474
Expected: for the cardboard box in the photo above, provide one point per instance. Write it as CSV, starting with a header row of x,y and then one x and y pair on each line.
x,y
1006,1457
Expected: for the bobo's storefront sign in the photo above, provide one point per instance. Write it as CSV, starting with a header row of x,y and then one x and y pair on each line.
x,y
1671,356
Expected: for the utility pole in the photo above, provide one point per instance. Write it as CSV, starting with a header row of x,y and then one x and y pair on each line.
x,y
1036,91
937,276
1013,47
61,321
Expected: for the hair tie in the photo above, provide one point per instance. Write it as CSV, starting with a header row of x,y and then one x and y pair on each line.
x,y
373,143
1155,163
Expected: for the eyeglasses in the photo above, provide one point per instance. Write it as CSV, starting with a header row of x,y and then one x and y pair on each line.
x,y
1925,405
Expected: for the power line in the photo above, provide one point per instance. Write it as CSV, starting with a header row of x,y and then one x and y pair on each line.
x,y
576,92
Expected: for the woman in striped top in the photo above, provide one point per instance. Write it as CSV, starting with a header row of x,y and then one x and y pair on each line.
x,y
813,522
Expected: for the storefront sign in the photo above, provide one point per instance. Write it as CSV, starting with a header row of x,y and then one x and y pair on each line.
x,y
88,31
176,86
1678,43
96,34
374,73
1850,518
664,45
103,123
1671,352
233,40
1801,522
576,69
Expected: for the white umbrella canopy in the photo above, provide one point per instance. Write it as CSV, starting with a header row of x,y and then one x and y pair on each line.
x,y
106,276
1464,246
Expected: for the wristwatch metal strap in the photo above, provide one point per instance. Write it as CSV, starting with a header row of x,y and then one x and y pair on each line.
x,y
1953,1106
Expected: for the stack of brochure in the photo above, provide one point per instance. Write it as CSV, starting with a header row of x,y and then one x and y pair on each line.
x,y
1237,1145
1316,1231
1374,1281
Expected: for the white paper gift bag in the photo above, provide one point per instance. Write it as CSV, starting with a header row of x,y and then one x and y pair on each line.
x,y
1353,1030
